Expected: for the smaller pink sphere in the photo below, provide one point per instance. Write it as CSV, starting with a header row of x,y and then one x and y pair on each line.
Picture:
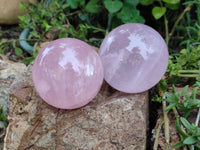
x,y
134,57
67,73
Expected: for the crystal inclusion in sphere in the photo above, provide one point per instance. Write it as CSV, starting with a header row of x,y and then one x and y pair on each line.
x,y
134,57
67,73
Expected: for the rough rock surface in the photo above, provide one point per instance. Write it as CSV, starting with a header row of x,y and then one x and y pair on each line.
x,y
9,10
112,121
8,72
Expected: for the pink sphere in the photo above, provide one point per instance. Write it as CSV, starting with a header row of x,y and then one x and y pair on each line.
x,y
67,73
134,57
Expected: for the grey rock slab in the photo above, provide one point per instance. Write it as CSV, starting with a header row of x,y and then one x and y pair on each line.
x,y
111,121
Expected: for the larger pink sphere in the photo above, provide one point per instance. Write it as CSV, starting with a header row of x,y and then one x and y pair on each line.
x,y
134,57
67,73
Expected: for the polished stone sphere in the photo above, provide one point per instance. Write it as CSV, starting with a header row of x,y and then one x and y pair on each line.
x,y
134,57
67,73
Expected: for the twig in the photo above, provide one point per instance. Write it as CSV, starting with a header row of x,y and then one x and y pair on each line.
x,y
166,123
155,146
110,16
95,28
179,19
166,30
197,119
175,112
73,13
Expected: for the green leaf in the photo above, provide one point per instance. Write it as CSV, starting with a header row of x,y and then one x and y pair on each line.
x,y
177,96
190,140
174,89
92,6
3,117
194,92
186,123
170,98
63,33
157,98
18,51
178,128
191,2
197,146
25,19
162,85
130,14
65,6
172,6
83,17
71,29
187,97
28,60
158,12
179,144
184,91
82,2
46,26
23,6
35,53
194,102
73,3
113,6
146,2
4,44
132,2
170,106
172,1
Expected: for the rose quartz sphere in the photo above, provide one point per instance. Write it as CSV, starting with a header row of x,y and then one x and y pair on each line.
x,y
67,73
134,57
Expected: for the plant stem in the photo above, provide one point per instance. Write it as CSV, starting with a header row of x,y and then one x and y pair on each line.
x,y
189,71
28,40
166,123
198,11
155,146
166,26
196,123
177,117
189,75
110,15
166,30
73,13
175,112
95,28
192,147
197,119
179,19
